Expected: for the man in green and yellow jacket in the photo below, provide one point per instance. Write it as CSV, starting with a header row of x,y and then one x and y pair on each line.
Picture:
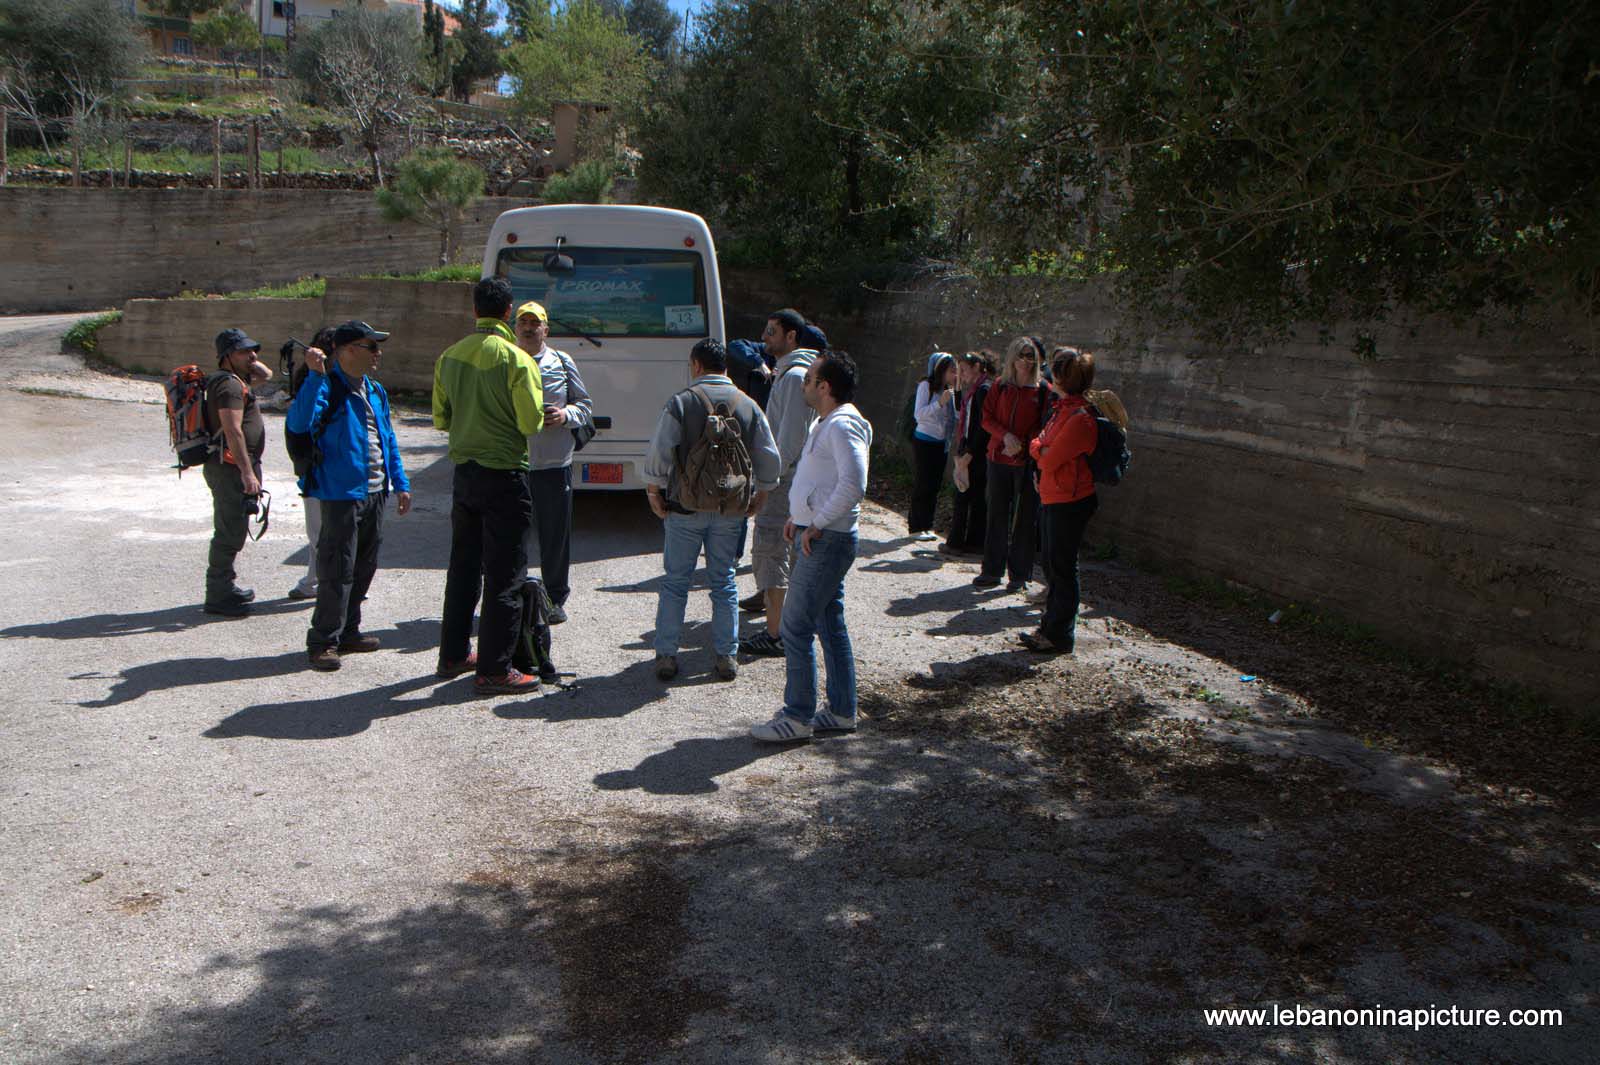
x,y
487,396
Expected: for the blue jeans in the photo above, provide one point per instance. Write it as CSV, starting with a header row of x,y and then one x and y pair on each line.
x,y
685,534
815,606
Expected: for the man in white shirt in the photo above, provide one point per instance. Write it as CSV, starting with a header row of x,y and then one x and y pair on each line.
x,y
824,509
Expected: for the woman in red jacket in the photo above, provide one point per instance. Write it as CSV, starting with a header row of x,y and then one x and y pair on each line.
x,y
1012,413
1066,489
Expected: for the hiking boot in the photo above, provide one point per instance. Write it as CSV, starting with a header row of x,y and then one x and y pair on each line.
x,y
781,729
558,614
242,595
755,604
228,608
324,659
827,722
1037,642
726,667
983,580
512,683
359,644
449,670
666,667
762,643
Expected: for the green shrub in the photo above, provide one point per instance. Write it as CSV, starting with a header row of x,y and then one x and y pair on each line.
x,y
304,288
84,334
588,182
453,272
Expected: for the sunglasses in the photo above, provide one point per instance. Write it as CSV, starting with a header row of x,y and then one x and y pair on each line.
x,y
369,347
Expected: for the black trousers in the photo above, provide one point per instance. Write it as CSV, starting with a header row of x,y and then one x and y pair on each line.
x,y
347,560
1008,546
970,520
929,457
490,517
229,526
552,524
1062,525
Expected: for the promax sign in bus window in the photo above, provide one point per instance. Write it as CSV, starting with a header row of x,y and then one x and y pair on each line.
x,y
613,291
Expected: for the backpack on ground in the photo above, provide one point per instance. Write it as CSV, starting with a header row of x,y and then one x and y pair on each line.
x,y
531,653
717,473
188,421
1108,462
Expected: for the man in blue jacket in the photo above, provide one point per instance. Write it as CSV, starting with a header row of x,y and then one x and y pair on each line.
x,y
357,464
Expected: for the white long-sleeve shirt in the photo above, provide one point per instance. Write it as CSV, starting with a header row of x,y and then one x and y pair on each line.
x,y
831,479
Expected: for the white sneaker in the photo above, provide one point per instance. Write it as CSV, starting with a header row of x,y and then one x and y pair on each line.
x,y
926,536
1038,595
780,729
826,722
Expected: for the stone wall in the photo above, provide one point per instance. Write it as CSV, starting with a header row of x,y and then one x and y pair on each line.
x,y
79,249
1446,494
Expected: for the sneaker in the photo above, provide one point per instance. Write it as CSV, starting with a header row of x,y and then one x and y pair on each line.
x,y
826,722
755,604
558,614
726,667
780,729
300,591
666,667
1039,594
448,670
228,608
512,683
324,659
925,536
359,644
983,581
762,643
1016,586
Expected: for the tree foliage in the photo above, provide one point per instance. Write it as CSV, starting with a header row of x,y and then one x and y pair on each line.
x,y
652,21
811,127
230,31
587,182
433,187
62,59
580,52
479,56
368,64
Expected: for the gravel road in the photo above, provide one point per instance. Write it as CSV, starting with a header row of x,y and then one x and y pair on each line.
x,y
213,854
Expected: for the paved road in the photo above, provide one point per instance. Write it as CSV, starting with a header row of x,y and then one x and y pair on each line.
x,y
212,854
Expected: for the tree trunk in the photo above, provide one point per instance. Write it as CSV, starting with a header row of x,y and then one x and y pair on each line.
x,y
5,164
77,157
444,244
216,153
127,163
255,154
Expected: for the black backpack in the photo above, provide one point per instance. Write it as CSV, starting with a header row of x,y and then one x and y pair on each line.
x,y
1108,462
531,653
302,447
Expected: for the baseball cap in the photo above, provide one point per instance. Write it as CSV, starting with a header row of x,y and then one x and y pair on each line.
x,y
355,330
809,336
534,309
232,340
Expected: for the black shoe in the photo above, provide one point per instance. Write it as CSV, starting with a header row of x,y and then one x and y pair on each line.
x,y
756,604
762,643
228,608
981,581
242,595
1016,586
548,674
323,659
558,614
1039,643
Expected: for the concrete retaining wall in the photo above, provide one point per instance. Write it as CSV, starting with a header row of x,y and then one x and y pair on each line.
x,y
1446,494
159,242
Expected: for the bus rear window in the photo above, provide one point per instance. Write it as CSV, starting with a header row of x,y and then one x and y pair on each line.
x,y
640,292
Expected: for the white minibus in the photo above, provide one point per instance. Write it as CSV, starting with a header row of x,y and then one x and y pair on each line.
x,y
629,290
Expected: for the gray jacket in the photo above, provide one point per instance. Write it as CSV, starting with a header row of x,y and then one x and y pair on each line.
x,y
551,447
787,411
668,445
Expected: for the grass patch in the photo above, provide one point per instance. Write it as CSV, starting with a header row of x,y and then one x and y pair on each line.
x,y
84,335
304,288
296,159
454,272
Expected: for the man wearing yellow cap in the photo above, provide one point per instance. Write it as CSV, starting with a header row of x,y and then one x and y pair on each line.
x,y
567,409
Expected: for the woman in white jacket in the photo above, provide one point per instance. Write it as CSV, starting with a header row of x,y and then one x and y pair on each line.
x,y
935,412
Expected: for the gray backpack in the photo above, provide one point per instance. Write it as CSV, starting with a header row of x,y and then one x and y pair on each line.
x,y
716,474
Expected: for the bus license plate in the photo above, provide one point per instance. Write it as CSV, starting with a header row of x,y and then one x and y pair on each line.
x,y
602,473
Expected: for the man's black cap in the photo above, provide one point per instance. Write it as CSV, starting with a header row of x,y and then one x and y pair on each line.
x,y
232,340
809,336
355,330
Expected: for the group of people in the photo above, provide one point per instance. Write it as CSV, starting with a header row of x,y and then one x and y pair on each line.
x,y
1017,434
514,409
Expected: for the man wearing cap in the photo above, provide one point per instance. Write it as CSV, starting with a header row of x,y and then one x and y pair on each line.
x,y
566,408
357,465
233,470
487,396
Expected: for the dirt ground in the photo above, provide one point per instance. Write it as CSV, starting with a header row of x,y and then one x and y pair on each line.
x,y
217,856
